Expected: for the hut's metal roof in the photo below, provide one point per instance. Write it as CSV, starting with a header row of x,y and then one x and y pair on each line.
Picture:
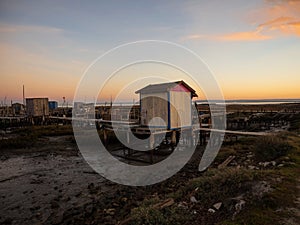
x,y
165,87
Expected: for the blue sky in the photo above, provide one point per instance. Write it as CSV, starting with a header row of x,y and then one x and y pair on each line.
x,y
253,47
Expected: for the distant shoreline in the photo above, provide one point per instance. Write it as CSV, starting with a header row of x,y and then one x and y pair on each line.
x,y
251,101
227,102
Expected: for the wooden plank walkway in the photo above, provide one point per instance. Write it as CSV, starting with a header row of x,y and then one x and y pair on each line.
x,y
128,124
236,132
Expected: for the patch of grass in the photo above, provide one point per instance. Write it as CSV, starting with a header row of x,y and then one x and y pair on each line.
x,y
49,130
273,208
254,216
216,185
23,141
224,153
270,209
269,148
295,123
27,137
150,216
53,130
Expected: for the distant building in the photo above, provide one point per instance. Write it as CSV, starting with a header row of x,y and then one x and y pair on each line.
x,y
172,102
122,113
53,105
37,107
6,111
84,110
18,108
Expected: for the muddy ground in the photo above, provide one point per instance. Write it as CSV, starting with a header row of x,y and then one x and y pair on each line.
x,y
43,182
51,183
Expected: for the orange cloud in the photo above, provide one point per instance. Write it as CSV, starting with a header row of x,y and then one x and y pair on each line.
x,y
244,36
277,21
12,28
281,7
295,26
283,25
195,36
280,18
267,30
234,36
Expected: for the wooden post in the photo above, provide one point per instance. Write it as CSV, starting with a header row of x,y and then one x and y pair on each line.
x,y
128,136
105,136
173,138
190,137
151,146
151,141
203,135
151,156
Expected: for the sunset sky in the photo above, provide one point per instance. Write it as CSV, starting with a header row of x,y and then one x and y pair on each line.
x,y
252,47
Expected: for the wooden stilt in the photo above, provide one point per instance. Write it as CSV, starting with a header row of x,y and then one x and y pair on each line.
x,y
190,137
151,146
105,136
151,141
173,139
128,136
